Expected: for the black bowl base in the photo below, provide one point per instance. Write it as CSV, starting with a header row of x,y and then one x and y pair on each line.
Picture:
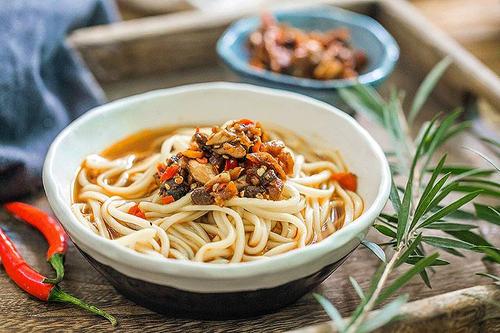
x,y
212,306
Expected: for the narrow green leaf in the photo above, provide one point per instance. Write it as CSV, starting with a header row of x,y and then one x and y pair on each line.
x,y
370,97
491,141
426,199
452,251
409,250
384,315
492,252
375,279
389,218
460,169
459,214
394,197
393,113
488,213
438,135
412,260
430,183
425,278
454,130
426,87
448,209
486,158
404,212
375,249
373,285
357,288
385,230
359,103
403,279
446,226
474,172
469,237
332,311
491,276
470,187
435,172
492,184
443,193
447,243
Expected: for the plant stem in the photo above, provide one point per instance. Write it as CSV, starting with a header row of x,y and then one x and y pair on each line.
x,y
378,289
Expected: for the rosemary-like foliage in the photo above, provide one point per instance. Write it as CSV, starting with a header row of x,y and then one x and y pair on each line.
x,y
424,203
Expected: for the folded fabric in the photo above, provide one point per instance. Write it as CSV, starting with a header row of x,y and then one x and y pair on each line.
x,y
43,83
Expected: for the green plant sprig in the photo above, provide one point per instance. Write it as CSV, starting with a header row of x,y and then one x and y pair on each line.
x,y
425,202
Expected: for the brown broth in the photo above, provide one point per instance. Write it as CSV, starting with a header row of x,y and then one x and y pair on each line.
x,y
148,141
140,143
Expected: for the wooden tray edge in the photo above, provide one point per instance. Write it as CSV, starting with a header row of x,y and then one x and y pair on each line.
x,y
101,46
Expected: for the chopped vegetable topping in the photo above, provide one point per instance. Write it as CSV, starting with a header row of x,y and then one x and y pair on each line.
x,y
192,153
347,180
230,164
169,173
168,199
233,160
135,210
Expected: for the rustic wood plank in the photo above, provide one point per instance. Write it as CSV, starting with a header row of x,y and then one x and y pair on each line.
x,y
186,40
473,23
410,28
167,42
27,314
466,310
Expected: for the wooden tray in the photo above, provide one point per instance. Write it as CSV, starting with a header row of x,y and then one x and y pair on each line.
x,y
163,51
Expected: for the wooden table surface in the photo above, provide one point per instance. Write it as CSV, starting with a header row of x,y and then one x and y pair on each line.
x,y
21,313
473,23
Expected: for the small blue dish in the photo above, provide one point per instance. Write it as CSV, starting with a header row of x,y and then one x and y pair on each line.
x,y
366,34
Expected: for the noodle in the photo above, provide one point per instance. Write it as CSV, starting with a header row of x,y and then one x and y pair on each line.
x,y
120,197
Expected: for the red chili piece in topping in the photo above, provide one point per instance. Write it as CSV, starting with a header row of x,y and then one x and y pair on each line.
x,y
135,210
167,200
169,173
230,164
347,180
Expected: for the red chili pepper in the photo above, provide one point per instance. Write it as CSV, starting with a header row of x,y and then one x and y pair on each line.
x,y
34,283
169,173
51,230
246,121
256,146
135,210
168,199
230,164
347,180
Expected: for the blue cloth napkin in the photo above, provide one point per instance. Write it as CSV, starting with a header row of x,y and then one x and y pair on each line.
x,y
43,83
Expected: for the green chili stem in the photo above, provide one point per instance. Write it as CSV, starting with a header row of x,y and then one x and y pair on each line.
x,y
58,295
57,262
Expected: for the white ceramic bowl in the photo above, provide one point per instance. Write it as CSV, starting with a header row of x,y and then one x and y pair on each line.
x,y
190,288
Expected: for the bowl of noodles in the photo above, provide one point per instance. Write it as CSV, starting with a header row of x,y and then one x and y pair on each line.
x,y
216,200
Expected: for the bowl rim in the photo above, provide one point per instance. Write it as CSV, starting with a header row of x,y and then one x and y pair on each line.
x,y
120,255
373,77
